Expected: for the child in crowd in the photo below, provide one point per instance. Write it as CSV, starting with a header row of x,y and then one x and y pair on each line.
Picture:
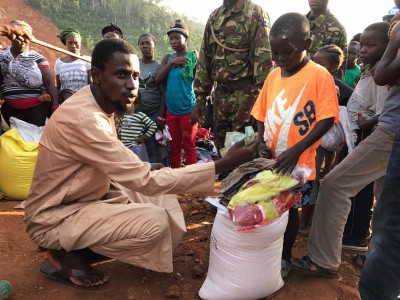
x,y
178,70
64,95
364,108
135,129
352,68
380,278
296,107
365,164
331,57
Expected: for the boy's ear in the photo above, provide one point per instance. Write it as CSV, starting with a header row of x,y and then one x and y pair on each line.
x,y
307,43
335,68
95,75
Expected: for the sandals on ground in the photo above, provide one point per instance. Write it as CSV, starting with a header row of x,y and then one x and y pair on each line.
x,y
305,265
286,268
64,276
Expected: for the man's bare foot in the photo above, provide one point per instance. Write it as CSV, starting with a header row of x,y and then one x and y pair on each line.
x,y
73,269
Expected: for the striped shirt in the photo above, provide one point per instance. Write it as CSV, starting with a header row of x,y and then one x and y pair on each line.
x,y
134,126
22,78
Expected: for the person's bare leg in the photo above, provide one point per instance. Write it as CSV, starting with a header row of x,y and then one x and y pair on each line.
x,y
305,220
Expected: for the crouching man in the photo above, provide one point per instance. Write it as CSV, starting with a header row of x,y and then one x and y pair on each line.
x,y
91,193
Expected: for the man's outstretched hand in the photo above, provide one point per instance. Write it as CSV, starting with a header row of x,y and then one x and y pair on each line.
x,y
238,154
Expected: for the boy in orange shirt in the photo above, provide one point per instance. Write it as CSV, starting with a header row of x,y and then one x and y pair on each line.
x,y
295,108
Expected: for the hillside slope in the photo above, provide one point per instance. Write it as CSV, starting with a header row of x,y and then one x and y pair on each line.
x,y
135,17
43,29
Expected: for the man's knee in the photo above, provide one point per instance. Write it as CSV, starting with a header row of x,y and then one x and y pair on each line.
x,y
155,224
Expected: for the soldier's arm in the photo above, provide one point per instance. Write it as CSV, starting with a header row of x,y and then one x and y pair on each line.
x,y
260,56
342,42
203,82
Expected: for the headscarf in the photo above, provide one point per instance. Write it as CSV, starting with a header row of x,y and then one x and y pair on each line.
x,y
64,34
22,24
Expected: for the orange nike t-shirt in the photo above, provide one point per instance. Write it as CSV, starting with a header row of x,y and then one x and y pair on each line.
x,y
290,107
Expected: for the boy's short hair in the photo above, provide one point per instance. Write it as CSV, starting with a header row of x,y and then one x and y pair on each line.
x,y
112,28
356,37
381,28
146,34
64,94
105,49
291,24
354,43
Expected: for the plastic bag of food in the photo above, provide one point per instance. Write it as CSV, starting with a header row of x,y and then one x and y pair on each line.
x,y
265,198
334,139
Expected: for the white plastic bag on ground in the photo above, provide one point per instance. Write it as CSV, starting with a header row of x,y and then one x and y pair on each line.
x,y
244,265
28,132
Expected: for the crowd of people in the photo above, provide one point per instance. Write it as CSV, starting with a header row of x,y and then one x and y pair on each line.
x,y
114,124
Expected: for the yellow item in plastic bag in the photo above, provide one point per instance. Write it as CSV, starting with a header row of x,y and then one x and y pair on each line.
x,y
17,163
265,186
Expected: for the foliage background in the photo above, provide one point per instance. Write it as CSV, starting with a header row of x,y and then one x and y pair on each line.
x,y
134,17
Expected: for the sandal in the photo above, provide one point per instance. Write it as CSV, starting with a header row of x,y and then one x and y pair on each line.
x,y
359,260
286,268
305,265
64,276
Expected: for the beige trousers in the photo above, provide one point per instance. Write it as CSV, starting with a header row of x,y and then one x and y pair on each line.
x,y
366,163
143,233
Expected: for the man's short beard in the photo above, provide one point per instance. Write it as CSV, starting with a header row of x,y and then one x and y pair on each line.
x,y
119,108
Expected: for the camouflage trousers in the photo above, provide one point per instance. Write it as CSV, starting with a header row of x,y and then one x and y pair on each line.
x,y
231,111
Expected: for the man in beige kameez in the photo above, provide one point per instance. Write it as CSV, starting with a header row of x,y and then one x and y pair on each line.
x,y
90,191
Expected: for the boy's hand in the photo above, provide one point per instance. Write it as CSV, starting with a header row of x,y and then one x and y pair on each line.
x,y
140,140
287,161
197,115
361,121
160,124
264,151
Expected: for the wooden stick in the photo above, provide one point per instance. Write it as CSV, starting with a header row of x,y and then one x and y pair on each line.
x,y
47,45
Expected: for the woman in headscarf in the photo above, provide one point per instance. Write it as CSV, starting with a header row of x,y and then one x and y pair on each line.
x,y
25,75
72,73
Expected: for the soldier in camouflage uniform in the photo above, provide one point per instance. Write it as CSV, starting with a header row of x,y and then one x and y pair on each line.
x,y
235,58
325,28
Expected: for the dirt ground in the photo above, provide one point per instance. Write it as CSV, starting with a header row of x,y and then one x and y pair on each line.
x,y
20,259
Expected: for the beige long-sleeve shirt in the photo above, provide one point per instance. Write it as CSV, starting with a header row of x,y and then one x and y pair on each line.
x,y
80,155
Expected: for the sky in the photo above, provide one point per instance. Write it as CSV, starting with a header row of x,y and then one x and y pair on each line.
x,y
355,15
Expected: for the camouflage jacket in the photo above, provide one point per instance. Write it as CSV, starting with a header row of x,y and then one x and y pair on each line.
x,y
326,30
245,26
